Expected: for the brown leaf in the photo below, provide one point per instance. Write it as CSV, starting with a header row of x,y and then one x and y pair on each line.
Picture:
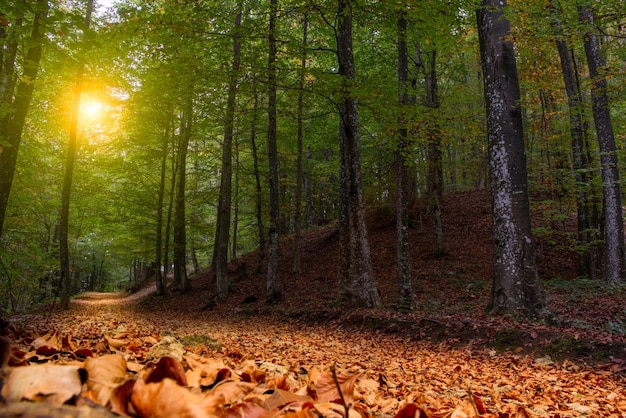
x,y
248,409
411,411
280,398
231,392
49,383
167,367
167,399
48,339
115,343
120,397
325,389
105,374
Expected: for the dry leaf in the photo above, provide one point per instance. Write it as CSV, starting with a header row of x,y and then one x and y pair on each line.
x,y
105,374
323,385
49,383
167,399
167,367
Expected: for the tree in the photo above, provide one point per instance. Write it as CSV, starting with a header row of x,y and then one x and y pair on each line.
x,y
273,288
579,133
17,102
64,250
406,297
612,198
180,230
516,288
224,205
356,278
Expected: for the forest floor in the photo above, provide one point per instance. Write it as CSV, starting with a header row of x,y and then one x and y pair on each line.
x,y
449,356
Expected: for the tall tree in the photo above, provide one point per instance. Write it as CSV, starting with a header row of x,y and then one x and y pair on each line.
x,y
406,297
612,197
180,226
273,288
516,289
64,248
300,134
579,133
17,102
222,229
356,278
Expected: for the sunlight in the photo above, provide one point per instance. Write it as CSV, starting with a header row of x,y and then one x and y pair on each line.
x,y
91,109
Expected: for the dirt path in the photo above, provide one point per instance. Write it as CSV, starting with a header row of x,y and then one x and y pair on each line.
x,y
113,298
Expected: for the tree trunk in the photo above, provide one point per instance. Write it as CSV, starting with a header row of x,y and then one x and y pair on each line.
x,y
298,195
435,158
406,297
180,230
13,123
222,230
161,279
516,289
356,278
65,283
612,199
580,133
259,190
273,288
233,253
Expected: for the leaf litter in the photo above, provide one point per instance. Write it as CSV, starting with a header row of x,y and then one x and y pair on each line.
x,y
150,357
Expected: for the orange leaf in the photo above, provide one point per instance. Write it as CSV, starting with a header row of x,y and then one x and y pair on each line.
x,y
167,399
105,373
167,367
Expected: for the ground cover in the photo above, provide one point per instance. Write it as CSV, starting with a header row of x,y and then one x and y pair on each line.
x,y
183,355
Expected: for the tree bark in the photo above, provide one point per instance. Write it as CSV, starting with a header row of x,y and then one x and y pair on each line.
x,y
222,230
579,132
612,198
180,230
516,289
300,134
273,288
257,182
65,283
356,278
161,278
13,123
406,296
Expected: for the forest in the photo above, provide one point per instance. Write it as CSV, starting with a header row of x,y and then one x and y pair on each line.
x,y
362,184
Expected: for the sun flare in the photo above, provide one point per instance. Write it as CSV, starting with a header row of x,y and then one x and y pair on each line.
x,y
92,109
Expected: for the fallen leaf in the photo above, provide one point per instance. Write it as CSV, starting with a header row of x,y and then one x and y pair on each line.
x,y
50,383
167,399
105,374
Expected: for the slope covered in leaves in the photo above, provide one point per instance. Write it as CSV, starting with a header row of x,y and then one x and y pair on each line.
x,y
184,356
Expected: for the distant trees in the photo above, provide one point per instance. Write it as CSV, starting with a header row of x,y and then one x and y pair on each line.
x,y
231,117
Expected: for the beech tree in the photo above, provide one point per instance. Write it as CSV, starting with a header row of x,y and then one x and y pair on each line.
x,y
612,195
356,278
517,289
16,90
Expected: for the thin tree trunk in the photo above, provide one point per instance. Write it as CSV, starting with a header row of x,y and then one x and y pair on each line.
x,y
516,289
170,210
180,230
273,288
298,195
612,198
161,281
308,195
64,249
236,203
435,159
406,296
259,190
579,133
356,278
13,123
222,232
